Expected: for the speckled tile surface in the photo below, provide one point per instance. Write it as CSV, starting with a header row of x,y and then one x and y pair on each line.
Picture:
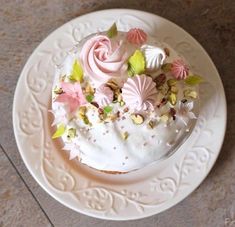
x,y
25,23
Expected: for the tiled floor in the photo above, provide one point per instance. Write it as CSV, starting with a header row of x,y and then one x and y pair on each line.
x,y
24,24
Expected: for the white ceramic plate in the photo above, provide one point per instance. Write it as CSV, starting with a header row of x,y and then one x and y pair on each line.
x,y
127,196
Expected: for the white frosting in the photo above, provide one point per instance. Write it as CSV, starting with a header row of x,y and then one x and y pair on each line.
x,y
101,146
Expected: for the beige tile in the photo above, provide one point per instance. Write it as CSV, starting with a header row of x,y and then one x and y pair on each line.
x,y
17,205
23,24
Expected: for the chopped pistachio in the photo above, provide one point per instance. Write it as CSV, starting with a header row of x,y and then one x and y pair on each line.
x,y
163,89
89,89
164,118
172,98
108,109
82,111
137,119
119,98
71,133
188,93
113,117
102,116
124,135
113,85
160,80
151,124
166,67
86,120
171,82
174,89
122,103
89,98
58,90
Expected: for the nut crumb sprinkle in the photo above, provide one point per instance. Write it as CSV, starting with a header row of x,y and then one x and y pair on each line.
x,y
124,135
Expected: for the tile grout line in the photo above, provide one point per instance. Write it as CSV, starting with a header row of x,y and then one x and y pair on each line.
x,y
17,171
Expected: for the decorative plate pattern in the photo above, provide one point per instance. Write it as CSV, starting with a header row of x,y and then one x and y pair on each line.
x,y
125,196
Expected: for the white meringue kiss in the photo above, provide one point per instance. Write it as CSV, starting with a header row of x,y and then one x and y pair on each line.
x,y
154,57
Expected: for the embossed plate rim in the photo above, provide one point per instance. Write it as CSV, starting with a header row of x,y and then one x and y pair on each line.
x,y
65,199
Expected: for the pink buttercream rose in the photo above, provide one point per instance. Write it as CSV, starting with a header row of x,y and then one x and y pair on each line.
x,y
102,59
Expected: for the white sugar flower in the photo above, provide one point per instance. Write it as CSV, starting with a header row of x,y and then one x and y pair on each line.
x,y
74,148
184,113
60,116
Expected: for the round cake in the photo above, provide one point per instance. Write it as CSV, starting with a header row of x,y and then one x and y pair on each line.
x,y
123,100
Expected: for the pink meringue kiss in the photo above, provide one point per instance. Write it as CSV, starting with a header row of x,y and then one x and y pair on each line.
x,y
103,95
102,59
139,93
136,36
179,69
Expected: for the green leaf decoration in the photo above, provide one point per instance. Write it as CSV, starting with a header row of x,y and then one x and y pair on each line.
x,y
89,98
136,63
112,32
59,132
108,109
193,80
77,72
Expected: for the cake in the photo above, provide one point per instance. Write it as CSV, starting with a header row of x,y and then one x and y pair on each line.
x,y
123,100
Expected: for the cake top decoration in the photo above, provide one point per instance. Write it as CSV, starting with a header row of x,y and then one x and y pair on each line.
x,y
136,36
103,95
139,93
117,91
154,56
72,96
102,58
179,69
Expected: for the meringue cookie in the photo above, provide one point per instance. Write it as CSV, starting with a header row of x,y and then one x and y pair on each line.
x,y
179,69
139,93
103,95
136,36
154,57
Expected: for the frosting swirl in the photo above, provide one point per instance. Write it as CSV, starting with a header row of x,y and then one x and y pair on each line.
x,y
139,93
136,36
154,57
102,59
103,95
179,69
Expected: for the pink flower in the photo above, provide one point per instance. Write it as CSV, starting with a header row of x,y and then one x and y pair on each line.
x,y
136,36
179,69
72,96
102,59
